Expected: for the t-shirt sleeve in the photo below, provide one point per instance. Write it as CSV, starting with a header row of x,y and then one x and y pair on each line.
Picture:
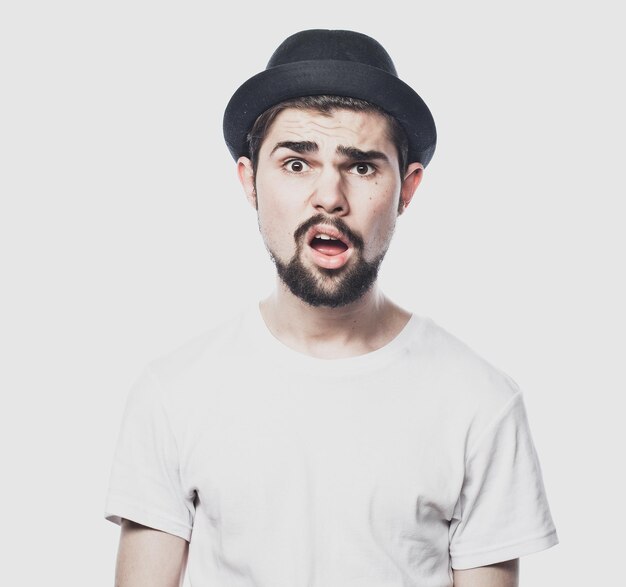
x,y
145,484
502,512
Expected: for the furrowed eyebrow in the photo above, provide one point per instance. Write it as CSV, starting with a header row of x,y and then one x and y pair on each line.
x,y
357,155
297,146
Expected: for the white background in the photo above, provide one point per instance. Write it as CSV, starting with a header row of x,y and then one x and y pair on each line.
x,y
124,232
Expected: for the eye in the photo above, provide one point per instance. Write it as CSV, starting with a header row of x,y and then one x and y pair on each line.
x,y
363,169
296,166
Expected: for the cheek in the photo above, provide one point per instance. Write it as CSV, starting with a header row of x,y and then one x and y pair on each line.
x,y
381,221
383,210
277,224
382,232
272,224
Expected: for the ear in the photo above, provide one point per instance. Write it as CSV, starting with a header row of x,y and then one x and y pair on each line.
x,y
412,179
246,178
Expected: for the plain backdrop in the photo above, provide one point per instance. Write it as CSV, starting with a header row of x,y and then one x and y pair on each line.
x,y
124,232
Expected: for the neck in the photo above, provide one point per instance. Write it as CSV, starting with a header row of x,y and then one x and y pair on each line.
x,y
354,329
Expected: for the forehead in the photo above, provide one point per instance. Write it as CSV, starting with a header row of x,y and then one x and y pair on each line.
x,y
365,130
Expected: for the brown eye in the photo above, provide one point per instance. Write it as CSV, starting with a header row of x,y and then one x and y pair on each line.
x,y
295,165
363,168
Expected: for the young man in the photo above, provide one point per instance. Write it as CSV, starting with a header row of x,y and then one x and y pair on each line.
x,y
326,436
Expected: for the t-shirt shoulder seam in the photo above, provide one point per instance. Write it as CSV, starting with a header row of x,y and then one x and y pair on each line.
x,y
469,351
508,406
199,342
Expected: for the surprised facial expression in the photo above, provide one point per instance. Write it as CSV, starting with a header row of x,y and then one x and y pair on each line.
x,y
328,192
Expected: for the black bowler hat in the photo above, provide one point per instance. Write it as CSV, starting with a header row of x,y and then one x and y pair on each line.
x,y
335,62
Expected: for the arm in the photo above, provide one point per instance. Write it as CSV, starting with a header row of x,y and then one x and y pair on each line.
x,y
149,557
504,574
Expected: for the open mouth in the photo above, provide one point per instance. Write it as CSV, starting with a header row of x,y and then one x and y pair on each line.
x,y
328,245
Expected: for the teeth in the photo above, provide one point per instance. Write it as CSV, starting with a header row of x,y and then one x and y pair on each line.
x,y
324,237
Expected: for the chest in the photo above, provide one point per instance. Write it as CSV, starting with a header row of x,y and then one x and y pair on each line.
x,y
372,450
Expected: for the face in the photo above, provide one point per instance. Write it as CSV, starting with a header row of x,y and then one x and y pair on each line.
x,y
327,193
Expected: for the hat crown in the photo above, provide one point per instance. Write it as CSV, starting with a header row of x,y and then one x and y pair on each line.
x,y
338,45
318,62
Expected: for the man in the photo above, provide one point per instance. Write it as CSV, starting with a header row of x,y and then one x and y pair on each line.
x,y
326,436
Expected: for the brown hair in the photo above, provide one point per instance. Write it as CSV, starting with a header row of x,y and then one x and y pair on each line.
x,y
325,104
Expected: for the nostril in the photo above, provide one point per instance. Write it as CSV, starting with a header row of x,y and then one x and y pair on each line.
x,y
335,210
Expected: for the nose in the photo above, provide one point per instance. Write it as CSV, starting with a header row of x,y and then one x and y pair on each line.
x,y
329,193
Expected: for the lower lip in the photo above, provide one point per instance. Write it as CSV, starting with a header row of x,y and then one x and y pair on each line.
x,y
329,261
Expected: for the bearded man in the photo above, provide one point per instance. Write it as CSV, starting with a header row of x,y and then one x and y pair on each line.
x,y
325,436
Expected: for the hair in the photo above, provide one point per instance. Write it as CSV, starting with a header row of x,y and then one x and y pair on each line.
x,y
326,104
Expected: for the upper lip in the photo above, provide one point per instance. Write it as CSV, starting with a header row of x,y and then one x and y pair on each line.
x,y
331,231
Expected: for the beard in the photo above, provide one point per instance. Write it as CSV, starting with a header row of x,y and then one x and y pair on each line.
x,y
331,288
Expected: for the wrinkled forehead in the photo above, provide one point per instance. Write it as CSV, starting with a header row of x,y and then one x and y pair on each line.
x,y
363,130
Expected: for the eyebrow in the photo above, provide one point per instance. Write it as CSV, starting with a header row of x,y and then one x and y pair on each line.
x,y
351,153
358,155
297,146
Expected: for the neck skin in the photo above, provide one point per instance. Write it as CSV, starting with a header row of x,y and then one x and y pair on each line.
x,y
333,333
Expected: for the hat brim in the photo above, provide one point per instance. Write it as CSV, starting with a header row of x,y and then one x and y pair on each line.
x,y
339,78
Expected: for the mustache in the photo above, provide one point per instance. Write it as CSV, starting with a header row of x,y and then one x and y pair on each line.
x,y
338,223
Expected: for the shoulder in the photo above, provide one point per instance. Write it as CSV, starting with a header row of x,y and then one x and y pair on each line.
x,y
207,350
467,381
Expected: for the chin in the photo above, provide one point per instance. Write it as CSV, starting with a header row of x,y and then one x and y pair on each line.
x,y
330,288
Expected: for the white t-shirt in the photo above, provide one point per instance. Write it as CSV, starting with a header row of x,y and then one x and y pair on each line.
x,y
387,469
